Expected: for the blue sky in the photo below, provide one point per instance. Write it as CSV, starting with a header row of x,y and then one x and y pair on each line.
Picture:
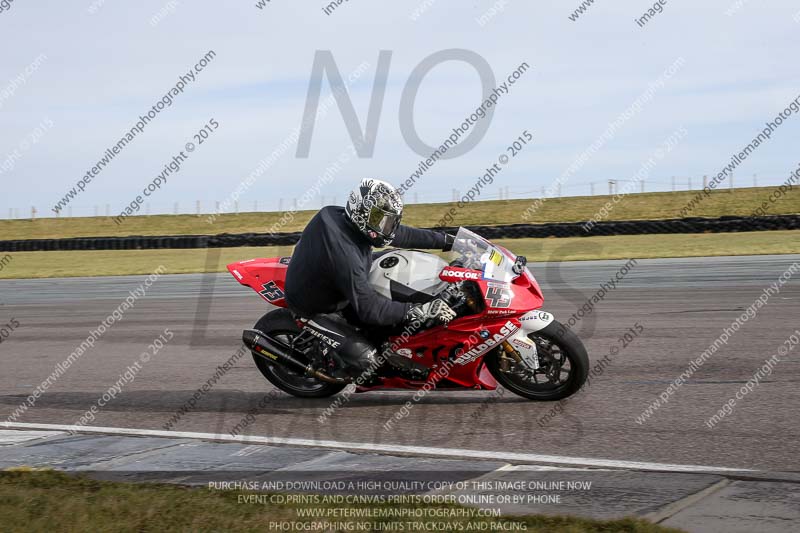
x,y
103,70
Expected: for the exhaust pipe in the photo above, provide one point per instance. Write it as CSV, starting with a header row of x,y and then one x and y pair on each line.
x,y
267,348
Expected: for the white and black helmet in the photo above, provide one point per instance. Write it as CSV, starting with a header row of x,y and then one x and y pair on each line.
x,y
375,208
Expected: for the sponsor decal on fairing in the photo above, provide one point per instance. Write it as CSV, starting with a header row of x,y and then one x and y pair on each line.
x,y
505,332
461,274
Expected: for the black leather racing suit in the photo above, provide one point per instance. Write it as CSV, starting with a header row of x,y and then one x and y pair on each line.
x,y
327,279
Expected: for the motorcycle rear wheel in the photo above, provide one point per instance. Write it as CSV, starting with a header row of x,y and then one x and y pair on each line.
x,y
557,347
281,326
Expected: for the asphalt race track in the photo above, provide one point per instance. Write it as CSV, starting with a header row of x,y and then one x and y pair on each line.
x,y
681,306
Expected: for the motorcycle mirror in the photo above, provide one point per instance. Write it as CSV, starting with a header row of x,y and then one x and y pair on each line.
x,y
519,264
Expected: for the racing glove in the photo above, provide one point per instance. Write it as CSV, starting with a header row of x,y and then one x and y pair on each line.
x,y
434,312
449,240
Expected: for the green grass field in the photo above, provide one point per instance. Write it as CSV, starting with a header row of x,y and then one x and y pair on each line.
x,y
120,262
52,501
634,206
574,209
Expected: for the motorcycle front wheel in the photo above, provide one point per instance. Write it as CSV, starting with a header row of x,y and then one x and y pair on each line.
x,y
563,366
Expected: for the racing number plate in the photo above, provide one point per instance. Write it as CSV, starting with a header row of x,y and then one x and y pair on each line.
x,y
498,295
271,292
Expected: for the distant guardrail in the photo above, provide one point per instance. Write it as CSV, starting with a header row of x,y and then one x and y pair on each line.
x,y
729,224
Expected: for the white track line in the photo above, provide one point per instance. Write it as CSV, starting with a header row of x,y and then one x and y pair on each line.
x,y
451,453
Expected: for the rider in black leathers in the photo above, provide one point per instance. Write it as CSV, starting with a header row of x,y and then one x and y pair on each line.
x,y
327,279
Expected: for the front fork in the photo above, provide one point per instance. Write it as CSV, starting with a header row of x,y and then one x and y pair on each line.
x,y
519,346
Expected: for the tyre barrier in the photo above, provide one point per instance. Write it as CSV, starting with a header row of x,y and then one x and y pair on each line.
x,y
727,224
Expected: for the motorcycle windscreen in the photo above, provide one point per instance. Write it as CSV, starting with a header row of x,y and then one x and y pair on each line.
x,y
481,254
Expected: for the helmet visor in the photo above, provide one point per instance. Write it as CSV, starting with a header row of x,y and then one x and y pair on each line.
x,y
382,221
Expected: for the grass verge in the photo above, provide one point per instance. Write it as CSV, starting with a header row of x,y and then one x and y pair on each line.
x,y
124,262
48,500
658,205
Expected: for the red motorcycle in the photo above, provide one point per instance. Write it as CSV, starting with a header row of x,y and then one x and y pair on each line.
x,y
499,334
